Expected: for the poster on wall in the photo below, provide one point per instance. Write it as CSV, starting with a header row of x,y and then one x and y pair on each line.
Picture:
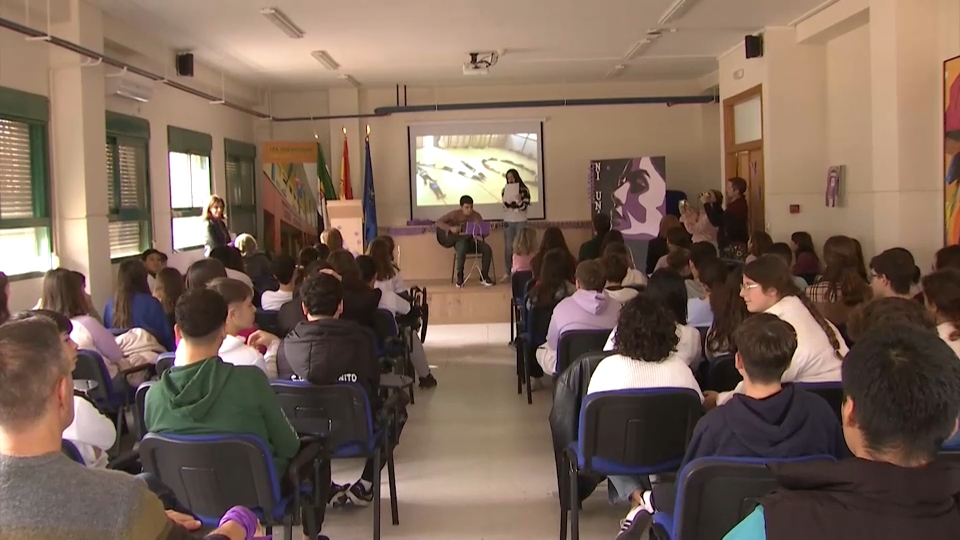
x,y
291,167
834,177
632,191
951,150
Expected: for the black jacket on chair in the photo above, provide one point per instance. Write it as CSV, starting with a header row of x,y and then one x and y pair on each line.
x,y
568,395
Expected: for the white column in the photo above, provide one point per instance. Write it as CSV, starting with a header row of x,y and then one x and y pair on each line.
x,y
78,138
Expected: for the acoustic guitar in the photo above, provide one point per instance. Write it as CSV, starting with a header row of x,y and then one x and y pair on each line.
x,y
449,239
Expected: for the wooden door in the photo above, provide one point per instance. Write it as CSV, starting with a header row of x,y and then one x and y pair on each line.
x,y
744,158
755,185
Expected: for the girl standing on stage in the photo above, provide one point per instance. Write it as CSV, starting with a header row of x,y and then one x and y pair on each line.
x,y
514,216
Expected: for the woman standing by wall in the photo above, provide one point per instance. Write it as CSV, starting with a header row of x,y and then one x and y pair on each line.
x,y
215,218
515,203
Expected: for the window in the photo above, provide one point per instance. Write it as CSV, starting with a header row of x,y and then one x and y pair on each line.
x,y
191,184
25,236
241,186
128,194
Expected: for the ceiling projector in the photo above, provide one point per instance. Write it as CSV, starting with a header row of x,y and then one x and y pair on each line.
x,y
480,63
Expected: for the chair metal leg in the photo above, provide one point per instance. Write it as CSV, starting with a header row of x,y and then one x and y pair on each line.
x,y
392,477
574,501
526,375
376,494
513,319
563,509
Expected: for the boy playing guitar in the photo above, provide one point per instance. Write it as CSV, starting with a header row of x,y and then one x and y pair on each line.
x,y
449,235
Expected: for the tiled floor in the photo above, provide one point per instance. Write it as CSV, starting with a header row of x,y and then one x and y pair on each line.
x,y
475,461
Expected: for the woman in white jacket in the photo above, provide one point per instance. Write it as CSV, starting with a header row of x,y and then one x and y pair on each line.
x,y
768,287
240,315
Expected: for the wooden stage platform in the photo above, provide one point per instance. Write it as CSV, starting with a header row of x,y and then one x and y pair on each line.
x,y
474,303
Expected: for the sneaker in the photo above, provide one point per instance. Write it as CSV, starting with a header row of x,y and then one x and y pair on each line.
x,y
635,525
505,278
359,495
428,382
459,283
338,495
487,282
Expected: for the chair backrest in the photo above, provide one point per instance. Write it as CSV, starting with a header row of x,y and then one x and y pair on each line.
x,y
589,363
90,367
141,400
269,321
949,454
832,392
385,326
723,373
714,494
339,413
70,450
209,474
164,362
518,283
575,343
638,428
537,322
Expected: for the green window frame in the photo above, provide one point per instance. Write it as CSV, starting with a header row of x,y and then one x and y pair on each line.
x,y
191,185
128,195
241,176
26,236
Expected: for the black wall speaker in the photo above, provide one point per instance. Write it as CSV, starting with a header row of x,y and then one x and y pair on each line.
x,y
185,65
754,46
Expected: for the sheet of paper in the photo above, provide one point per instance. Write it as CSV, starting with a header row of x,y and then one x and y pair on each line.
x,y
511,193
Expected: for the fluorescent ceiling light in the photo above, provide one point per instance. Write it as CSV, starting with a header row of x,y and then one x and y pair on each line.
x,y
675,11
349,79
282,22
641,46
324,58
615,72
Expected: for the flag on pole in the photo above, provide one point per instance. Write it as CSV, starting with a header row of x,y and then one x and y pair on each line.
x,y
326,190
346,191
369,199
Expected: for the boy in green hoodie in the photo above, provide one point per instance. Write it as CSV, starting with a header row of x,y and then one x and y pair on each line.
x,y
207,396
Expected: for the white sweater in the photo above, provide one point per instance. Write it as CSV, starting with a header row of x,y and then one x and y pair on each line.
x,y
620,372
688,348
814,360
91,432
235,351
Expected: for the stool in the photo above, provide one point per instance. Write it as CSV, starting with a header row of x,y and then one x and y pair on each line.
x,y
477,261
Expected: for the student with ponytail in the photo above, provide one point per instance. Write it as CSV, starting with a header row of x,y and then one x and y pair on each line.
x,y
768,287
941,291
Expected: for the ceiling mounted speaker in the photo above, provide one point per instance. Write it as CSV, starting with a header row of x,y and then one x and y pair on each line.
x,y
185,65
753,45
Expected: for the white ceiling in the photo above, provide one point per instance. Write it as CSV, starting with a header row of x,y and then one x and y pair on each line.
x,y
425,42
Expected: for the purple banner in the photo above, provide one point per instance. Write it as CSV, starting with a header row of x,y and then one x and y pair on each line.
x,y
632,191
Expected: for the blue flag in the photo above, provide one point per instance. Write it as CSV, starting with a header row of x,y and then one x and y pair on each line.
x,y
369,201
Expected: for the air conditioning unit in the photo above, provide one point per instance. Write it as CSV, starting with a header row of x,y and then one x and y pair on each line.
x,y
129,86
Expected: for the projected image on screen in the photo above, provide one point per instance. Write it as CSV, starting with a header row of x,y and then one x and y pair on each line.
x,y
449,166
450,160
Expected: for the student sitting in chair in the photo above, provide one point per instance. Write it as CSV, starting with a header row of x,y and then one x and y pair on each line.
x,y
902,388
449,227
615,271
284,269
769,420
589,308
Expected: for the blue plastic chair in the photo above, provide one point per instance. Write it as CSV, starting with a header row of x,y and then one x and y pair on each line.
x,y
341,415
635,432
518,284
714,494
209,474
109,399
164,362
536,322
70,450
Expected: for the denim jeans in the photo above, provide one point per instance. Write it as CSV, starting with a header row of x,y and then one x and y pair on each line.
x,y
471,245
509,234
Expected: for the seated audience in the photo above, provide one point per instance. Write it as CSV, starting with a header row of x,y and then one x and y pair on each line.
x,y
312,254
524,248
359,301
634,277
861,262
553,239
700,253
678,261
729,311
677,239
615,271
203,395
769,420
758,244
941,291
710,274
45,494
236,349
232,262
890,310
591,248
167,289
256,264
332,238
91,310
453,223
327,349
154,261
894,273
947,257
63,294
552,286
657,247
202,272
388,273
399,307
807,264
902,388
697,224
284,270
612,237
291,314
589,308
782,251
645,343
133,306
768,288
840,289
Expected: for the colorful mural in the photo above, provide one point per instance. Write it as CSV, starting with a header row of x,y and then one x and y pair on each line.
x,y
951,151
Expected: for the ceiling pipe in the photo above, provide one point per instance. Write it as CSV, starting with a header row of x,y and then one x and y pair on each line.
x,y
379,111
